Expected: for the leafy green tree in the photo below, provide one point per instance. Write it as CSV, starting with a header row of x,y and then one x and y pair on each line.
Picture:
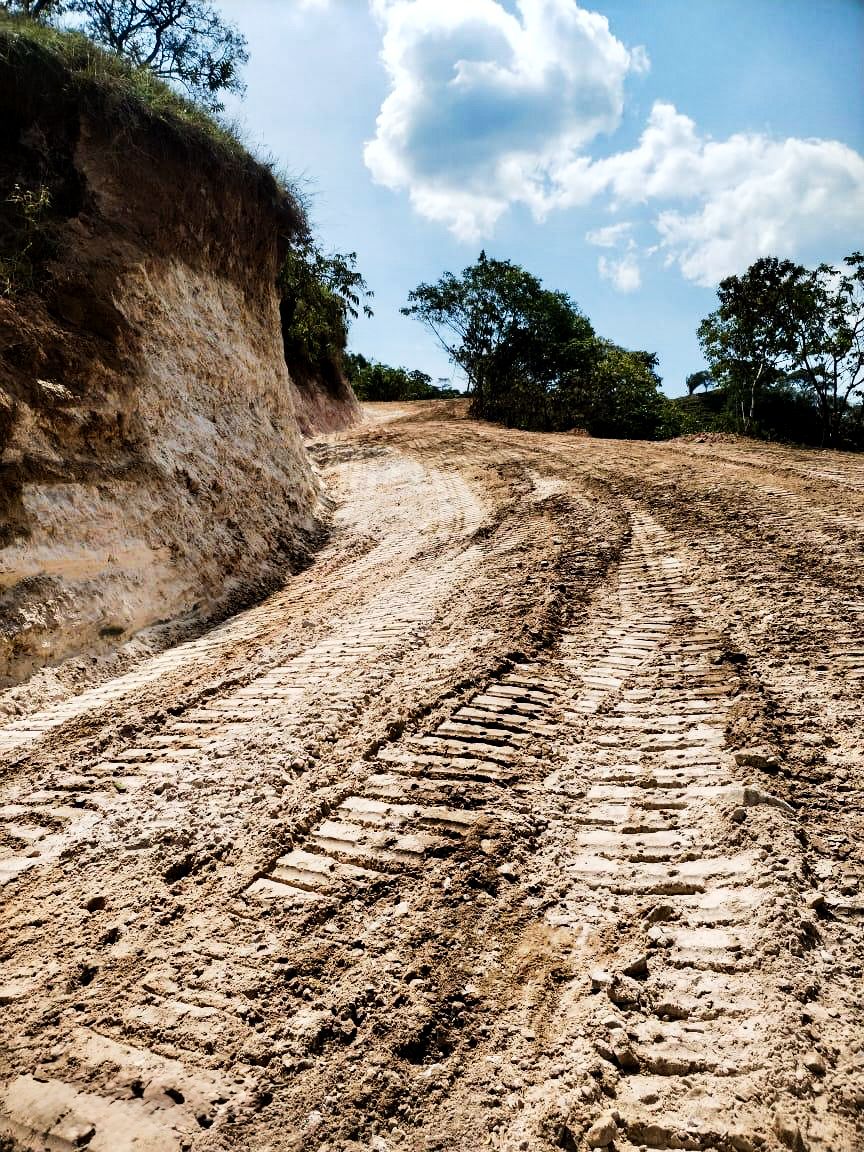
x,y
186,42
626,400
373,381
34,9
319,297
516,342
532,359
698,380
781,324
741,340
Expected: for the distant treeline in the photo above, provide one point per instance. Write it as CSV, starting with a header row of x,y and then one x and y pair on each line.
x,y
786,355
785,348
373,381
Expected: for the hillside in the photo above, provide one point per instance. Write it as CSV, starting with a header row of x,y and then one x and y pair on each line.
x,y
151,452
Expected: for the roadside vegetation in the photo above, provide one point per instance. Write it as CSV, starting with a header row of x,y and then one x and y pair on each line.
x,y
533,360
185,42
375,382
164,62
786,355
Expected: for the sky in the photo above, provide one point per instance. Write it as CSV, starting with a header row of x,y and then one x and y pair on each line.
x,y
629,152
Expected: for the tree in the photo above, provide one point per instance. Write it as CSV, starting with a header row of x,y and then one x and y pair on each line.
x,y
519,345
373,381
626,400
741,340
185,42
41,10
532,358
780,325
698,380
319,297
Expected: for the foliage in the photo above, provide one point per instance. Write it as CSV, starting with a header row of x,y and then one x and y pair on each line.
x,y
129,91
698,380
34,9
319,296
516,342
374,381
182,41
185,41
781,326
532,359
626,400
25,239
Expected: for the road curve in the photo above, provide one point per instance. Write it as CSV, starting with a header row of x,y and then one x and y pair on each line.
x,y
527,817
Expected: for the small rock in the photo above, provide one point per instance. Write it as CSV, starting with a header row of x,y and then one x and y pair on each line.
x,y
602,1132
754,758
314,1120
604,1052
815,1063
739,815
637,967
741,1143
660,913
625,992
788,1132
815,901
74,1133
600,979
626,1058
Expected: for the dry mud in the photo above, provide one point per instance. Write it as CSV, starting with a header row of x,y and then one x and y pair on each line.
x,y
528,817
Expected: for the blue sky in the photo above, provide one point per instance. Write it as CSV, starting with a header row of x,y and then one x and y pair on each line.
x,y
628,152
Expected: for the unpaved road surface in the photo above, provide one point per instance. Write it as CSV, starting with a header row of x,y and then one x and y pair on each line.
x,y
528,817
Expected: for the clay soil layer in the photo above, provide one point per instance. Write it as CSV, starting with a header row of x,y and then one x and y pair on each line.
x,y
527,817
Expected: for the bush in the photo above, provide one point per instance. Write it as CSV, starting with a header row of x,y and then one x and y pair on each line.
x,y
376,382
318,297
26,239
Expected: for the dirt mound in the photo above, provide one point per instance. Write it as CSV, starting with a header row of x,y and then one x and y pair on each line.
x,y
151,457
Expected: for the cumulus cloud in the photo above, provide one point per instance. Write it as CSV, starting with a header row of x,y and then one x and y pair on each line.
x,y
484,101
493,105
611,236
739,198
624,274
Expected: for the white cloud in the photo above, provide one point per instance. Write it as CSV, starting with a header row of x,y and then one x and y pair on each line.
x,y
611,236
485,102
491,106
624,274
740,198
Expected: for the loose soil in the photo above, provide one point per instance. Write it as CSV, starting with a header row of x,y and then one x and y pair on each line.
x,y
527,817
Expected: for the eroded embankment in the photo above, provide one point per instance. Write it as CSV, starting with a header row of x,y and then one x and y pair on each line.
x,y
151,458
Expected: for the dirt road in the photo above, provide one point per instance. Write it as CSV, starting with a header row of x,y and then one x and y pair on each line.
x,y
528,817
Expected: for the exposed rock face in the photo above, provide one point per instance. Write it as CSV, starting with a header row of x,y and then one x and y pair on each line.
x,y
151,458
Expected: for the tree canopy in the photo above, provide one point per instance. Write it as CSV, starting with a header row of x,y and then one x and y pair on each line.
x,y
185,42
374,381
319,295
531,357
781,327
